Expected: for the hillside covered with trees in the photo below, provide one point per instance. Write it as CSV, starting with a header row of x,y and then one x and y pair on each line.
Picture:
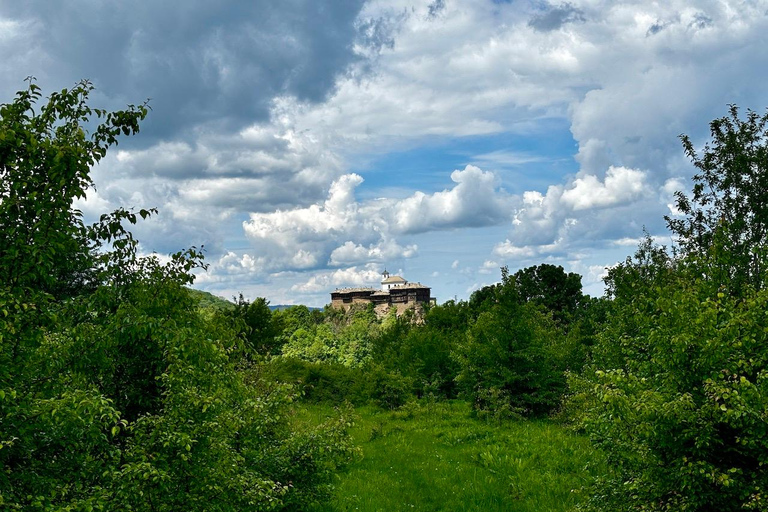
x,y
122,389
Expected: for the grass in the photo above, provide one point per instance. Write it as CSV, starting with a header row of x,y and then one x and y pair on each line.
x,y
437,457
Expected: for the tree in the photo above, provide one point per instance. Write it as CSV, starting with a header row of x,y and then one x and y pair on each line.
x,y
679,402
508,359
45,162
725,219
549,286
115,393
677,394
258,328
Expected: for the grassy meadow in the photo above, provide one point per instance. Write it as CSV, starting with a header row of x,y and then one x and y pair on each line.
x,y
435,456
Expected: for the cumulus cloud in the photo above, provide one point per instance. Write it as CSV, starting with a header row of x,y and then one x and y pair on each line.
x,y
620,185
473,201
368,275
489,267
585,209
259,110
203,185
385,250
507,250
343,231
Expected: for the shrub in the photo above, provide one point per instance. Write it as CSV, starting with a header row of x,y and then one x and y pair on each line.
x,y
319,382
510,349
686,426
389,390
115,393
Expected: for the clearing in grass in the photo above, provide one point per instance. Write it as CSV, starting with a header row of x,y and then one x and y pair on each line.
x,y
436,457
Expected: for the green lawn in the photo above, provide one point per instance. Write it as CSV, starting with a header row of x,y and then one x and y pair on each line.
x,y
436,457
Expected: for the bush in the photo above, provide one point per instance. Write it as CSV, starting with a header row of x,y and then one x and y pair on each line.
x,y
678,395
686,426
389,390
510,349
115,393
319,382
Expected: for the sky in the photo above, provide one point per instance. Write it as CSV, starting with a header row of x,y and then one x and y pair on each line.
x,y
311,144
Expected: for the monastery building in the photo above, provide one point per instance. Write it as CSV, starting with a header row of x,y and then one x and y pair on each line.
x,y
394,292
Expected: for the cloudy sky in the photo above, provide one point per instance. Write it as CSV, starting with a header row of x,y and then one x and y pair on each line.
x,y
309,144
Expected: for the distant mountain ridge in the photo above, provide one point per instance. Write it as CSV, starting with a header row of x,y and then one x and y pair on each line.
x,y
207,299
282,307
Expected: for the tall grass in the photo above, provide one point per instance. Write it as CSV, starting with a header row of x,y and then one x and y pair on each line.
x,y
437,457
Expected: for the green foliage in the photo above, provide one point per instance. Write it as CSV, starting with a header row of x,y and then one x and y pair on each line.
x,y
725,219
484,299
334,383
345,339
507,353
46,158
550,287
291,319
209,301
320,382
676,395
422,353
257,327
520,338
449,317
389,390
685,422
115,393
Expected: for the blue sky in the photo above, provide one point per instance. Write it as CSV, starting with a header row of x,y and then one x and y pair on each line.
x,y
311,144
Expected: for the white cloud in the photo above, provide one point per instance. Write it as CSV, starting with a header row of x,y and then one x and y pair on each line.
x,y
343,231
584,209
667,194
624,77
489,267
506,158
473,201
509,251
368,275
621,185
384,250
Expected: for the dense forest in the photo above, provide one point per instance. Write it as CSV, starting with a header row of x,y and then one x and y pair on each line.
x,y
122,389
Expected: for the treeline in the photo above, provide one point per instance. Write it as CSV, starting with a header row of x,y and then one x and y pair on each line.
x,y
508,349
121,389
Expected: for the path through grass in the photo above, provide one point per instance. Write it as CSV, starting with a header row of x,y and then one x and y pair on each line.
x,y
436,457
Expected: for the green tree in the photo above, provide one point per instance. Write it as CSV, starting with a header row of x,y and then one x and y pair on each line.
x,y
45,161
341,339
483,299
258,328
423,352
725,218
552,288
508,360
115,393
679,402
450,316
677,394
